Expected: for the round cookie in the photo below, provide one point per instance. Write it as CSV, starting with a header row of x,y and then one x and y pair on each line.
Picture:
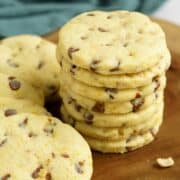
x,y
16,106
42,148
109,94
123,145
117,42
123,81
33,59
113,120
138,103
111,133
13,87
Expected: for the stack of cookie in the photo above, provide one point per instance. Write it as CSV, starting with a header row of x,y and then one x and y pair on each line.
x,y
113,68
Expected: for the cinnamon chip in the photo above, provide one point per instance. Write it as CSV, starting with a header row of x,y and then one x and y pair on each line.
x,y
12,64
14,84
94,64
115,68
40,65
111,92
73,67
31,134
23,123
137,102
48,130
98,107
10,112
48,176
64,155
35,173
78,107
88,117
6,177
3,142
78,168
102,29
72,50
156,80
90,14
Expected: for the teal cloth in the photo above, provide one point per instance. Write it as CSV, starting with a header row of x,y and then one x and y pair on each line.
x,y
43,16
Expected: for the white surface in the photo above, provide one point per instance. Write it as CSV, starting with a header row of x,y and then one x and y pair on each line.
x,y
170,10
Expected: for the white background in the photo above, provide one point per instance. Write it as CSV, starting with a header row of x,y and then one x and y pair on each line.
x,y
170,10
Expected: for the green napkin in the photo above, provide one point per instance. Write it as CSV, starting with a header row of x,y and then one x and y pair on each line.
x,y
43,16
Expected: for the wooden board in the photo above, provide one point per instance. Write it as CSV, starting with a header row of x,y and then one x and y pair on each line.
x,y
141,164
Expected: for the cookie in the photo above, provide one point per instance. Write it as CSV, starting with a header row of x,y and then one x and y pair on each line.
x,y
123,81
113,120
13,87
110,94
33,59
105,133
41,147
118,42
134,105
123,146
15,106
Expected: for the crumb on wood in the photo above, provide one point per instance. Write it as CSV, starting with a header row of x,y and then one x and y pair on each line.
x,y
165,162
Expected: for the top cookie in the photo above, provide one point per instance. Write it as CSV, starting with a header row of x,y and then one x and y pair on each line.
x,y
113,42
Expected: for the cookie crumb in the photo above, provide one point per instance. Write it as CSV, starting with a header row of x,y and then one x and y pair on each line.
x,y
165,162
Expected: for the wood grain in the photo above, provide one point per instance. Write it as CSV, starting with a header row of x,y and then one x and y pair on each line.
x,y
141,164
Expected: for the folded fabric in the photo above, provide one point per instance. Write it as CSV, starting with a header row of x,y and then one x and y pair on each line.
x,y
43,16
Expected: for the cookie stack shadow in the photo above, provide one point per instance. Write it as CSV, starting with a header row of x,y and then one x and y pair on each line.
x,y
117,105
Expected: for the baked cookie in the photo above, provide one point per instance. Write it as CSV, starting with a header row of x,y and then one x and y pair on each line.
x,y
106,133
118,42
134,105
16,106
123,146
41,147
110,94
33,59
113,120
123,81
13,87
